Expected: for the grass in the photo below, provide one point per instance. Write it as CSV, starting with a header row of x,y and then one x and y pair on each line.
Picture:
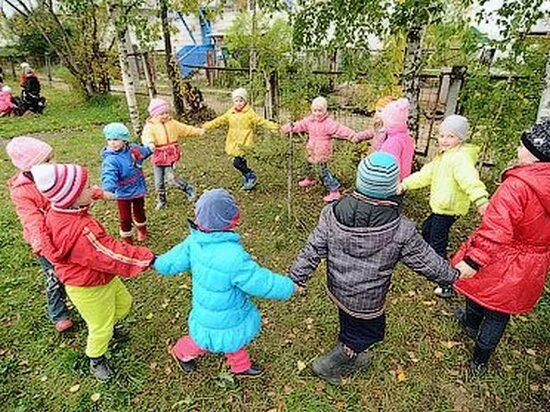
x,y
420,366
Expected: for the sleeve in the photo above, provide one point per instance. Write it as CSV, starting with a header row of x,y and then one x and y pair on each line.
x,y
256,280
147,138
313,252
420,257
217,122
145,151
185,130
364,135
259,121
32,218
109,176
468,179
175,261
420,179
301,126
339,131
505,211
98,250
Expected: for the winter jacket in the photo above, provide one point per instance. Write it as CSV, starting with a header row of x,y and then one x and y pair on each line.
x,y
453,179
6,103
31,207
164,137
511,247
396,141
241,128
321,131
84,254
361,260
121,171
224,276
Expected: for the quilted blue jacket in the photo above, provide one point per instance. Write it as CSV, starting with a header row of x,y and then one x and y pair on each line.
x,y
224,276
121,172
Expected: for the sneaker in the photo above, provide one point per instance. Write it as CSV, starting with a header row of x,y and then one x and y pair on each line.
x,y
460,316
250,181
185,366
101,369
332,196
63,325
142,234
308,181
190,192
251,373
160,205
477,370
444,292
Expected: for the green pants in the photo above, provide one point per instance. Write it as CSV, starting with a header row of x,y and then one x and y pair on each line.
x,y
100,307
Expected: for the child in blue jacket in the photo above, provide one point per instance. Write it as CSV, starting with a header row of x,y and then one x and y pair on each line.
x,y
122,178
223,318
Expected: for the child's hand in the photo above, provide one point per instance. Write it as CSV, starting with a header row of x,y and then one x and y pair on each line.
x,y
136,154
202,131
466,271
400,189
287,128
482,209
151,146
97,193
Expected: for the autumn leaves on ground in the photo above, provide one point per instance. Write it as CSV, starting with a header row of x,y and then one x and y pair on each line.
x,y
421,364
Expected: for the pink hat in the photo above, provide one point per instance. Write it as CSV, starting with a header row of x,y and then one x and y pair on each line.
x,y
61,184
395,114
25,152
158,106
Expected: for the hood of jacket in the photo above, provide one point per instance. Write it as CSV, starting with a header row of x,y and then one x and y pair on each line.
x,y
537,177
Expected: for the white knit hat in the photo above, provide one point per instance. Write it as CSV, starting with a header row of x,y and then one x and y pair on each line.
x,y
321,102
240,92
455,125
60,184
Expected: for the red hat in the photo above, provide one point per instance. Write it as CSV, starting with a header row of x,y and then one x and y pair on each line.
x,y
61,184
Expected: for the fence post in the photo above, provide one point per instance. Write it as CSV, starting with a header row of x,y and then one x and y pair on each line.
x,y
456,81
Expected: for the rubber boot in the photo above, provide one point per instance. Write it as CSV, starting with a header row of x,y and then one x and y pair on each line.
x,y
101,369
142,232
334,364
161,200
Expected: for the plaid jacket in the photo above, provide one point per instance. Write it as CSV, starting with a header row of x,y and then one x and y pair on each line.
x,y
360,261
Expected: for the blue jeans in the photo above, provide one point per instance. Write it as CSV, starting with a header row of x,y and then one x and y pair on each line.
x,y
55,292
167,172
329,180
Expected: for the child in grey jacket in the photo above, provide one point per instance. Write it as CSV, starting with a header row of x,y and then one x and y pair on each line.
x,y
362,237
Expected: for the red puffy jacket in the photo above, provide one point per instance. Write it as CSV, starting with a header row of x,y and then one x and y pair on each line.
x,y
512,244
84,254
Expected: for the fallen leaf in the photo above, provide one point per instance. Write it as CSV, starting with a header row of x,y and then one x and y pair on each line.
x,y
411,293
43,379
95,397
74,388
401,376
340,405
153,366
439,355
413,357
300,365
149,316
288,389
531,352
450,344
534,387
429,302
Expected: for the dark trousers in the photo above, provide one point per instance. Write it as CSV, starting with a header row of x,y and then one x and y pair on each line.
x,y
360,334
435,231
240,164
55,292
131,211
490,325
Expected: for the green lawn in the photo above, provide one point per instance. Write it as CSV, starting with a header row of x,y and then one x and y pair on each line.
x,y
420,366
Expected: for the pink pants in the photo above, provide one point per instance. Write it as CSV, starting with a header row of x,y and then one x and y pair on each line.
x,y
186,349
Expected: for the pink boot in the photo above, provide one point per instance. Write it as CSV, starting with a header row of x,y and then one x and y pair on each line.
x,y
63,325
307,181
332,196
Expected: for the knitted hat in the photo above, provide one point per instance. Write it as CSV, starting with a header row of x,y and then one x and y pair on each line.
x,y
455,125
6,89
61,184
240,92
25,152
116,131
383,102
216,210
377,175
24,65
537,140
158,106
320,102
395,114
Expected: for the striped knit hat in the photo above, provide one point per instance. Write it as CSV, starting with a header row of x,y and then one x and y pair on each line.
x,y
377,175
537,140
61,184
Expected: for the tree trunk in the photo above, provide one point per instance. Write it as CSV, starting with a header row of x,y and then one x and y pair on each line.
x,y
272,96
151,88
170,64
544,105
411,76
253,56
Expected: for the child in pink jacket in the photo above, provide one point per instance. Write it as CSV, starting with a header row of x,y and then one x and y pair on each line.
x,y
321,129
31,207
394,137
6,101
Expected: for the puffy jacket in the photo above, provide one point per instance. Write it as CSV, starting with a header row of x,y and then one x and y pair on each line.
x,y
453,179
241,128
164,137
224,276
31,207
361,260
6,103
121,171
321,131
512,244
84,254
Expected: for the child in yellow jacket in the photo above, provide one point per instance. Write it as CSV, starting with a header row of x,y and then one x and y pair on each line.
x,y
242,121
454,183
161,134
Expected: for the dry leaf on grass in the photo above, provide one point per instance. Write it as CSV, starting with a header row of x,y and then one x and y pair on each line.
x,y
531,352
95,397
301,365
74,388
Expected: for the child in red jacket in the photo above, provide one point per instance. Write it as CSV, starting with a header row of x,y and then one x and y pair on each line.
x,y
506,260
86,258
31,207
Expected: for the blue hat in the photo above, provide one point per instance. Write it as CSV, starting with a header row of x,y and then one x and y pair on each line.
x,y
116,131
377,175
216,210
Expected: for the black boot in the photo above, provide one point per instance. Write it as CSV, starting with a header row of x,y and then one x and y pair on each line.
x,y
335,364
460,316
101,369
480,361
185,366
161,200
253,372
